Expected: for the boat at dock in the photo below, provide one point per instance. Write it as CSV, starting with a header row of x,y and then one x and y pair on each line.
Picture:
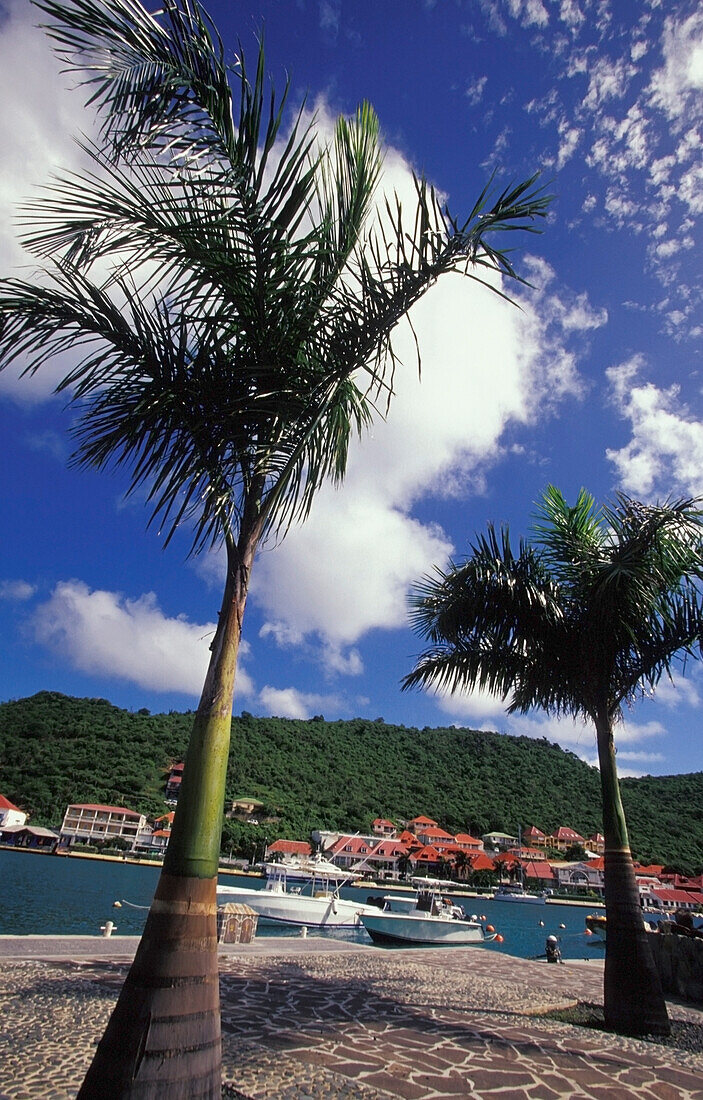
x,y
515,891
299,896
428,920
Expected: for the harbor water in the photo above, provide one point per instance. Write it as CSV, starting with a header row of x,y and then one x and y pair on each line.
x,y
59,895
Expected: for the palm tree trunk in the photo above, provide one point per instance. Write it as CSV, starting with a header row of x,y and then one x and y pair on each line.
x,y
633,999
162,1041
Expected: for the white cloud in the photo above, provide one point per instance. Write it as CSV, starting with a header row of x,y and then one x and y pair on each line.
x,y
474,90
665,453
16,591
485,365
681,76
291,703
108,634
38,118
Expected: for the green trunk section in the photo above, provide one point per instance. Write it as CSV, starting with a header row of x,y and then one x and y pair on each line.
x,y
194,845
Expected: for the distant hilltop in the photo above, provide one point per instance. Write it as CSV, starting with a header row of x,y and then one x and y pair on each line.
x,y
305,775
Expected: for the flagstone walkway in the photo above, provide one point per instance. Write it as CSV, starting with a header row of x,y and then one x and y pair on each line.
x,y
315,1019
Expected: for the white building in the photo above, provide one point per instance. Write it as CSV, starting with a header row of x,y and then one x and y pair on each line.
x,y
10,814
86,824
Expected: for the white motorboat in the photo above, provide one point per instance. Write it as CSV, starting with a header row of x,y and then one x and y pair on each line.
x,y
515,891
431,920
316,904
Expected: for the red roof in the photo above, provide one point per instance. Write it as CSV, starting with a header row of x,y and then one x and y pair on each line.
x,y
7,805
538,869
681,896
565,833
406,837
177,768
481,862
390,848
434,833
104,809
532,830
464,838
428,854
422,821
290,847
357,845
598,864
383,821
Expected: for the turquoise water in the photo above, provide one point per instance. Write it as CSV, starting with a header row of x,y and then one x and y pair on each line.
x,y
51,895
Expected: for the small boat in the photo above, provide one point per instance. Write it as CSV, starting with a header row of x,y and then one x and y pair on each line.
x,y
429,921
595,924
313,904
515,891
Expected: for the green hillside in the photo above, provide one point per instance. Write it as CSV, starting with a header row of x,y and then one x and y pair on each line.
x,y
316,774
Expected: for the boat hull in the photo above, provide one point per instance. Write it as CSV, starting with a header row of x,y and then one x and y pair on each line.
x,y
524,899
297,910
398,928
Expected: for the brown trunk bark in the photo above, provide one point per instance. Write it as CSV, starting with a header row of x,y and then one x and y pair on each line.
x,y
633,1000
162,1041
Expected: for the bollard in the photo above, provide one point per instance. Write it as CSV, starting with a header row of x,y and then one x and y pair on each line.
x,y
303,931
108,928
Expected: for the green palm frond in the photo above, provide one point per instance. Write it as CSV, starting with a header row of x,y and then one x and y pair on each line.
x,y
596,612
165,85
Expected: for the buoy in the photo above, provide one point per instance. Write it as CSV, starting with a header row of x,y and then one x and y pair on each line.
x,y
562,926
490,928
499,938
117,905
541,924
588,932
474,917
483,916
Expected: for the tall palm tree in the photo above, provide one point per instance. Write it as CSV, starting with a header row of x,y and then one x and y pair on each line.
x,y
583,620
226,291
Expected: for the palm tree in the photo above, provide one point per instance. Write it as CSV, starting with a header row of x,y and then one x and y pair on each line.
x,y
227,293
580,622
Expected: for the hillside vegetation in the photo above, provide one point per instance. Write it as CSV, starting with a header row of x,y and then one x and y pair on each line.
x,y
316,774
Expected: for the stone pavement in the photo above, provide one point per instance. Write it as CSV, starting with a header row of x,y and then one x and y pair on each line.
x,y
318,1018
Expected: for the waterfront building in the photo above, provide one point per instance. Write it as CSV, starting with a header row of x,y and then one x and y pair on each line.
x,y
88,823
383,827
29,836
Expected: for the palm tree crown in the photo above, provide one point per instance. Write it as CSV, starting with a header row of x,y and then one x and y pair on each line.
x,y
587,616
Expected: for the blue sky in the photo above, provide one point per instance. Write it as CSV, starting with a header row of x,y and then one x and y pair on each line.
x,y
595,381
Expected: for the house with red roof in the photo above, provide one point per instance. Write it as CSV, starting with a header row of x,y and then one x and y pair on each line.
x,y
427,858
412,825
10,814
155,838
88,823
350,850
432,834
540,870
468,843
596,844
173,783
669,900
288,848
534,837
564,838
383,827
